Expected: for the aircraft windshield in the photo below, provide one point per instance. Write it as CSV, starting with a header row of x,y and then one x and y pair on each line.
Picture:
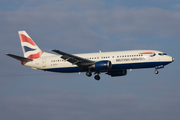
x,y
162,54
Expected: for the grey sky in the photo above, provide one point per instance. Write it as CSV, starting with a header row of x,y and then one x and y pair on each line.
x,y
80,26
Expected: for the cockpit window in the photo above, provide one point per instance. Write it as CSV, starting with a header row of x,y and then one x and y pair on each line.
x,y
162,54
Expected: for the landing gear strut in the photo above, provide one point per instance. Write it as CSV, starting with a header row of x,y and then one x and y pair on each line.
x,y
158,67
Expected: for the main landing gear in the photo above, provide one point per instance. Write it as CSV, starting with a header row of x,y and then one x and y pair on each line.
x,y
89,74
97,77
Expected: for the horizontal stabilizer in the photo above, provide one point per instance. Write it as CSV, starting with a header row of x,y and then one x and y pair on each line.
x,y
19,57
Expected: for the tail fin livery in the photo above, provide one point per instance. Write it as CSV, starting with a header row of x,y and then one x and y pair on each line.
x,y
29,47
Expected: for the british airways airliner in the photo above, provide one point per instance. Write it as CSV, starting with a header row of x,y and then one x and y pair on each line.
x,y
110,63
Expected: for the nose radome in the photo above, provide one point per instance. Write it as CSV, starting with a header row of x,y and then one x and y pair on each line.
x,y
172,59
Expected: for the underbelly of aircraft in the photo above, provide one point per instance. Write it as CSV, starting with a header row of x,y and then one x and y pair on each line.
x,y
114,67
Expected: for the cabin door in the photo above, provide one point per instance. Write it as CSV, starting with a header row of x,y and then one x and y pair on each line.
x,y
44,62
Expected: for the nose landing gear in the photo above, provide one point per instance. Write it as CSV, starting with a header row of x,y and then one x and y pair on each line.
x,y
156,71
158,67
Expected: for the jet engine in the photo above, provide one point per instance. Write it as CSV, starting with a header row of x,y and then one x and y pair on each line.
x,y
117,73
103,65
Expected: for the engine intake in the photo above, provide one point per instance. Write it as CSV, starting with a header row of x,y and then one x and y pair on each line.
x,y
103,65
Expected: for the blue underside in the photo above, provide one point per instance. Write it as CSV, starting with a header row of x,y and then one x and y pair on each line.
x,y
114,67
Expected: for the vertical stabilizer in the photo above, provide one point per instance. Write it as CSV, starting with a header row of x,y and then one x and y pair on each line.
x,y
29,47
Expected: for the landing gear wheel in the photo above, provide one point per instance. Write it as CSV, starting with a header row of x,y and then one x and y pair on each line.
x,y
88,74
156,72
97,77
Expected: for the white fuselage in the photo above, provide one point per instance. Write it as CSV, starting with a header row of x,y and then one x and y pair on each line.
x,y
120,60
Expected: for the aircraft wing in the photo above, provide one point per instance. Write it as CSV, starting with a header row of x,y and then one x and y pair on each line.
x,y
74,59
19,57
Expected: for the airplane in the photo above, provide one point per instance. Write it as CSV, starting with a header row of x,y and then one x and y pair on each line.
x,y
111,63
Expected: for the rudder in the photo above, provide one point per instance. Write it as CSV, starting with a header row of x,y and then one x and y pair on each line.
x,y
29,47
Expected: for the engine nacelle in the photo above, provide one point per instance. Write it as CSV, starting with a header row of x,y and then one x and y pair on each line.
x,y
117,73
103,65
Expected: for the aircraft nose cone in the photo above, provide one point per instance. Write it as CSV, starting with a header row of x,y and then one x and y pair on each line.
x,y
172,59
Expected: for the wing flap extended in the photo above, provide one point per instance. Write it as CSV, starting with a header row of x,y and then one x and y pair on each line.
x,y
74,59
19,57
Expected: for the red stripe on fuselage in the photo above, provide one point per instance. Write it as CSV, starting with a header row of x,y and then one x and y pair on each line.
x,y
24,38
35,56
